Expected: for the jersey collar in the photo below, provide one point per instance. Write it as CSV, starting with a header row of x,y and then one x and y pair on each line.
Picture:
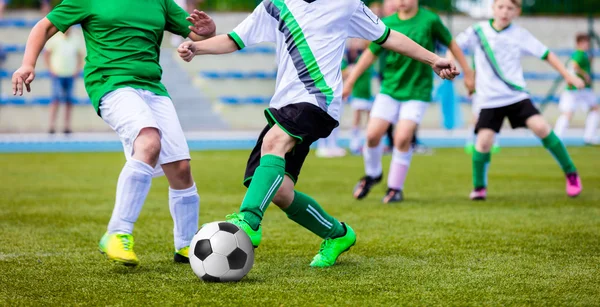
x,y
498,31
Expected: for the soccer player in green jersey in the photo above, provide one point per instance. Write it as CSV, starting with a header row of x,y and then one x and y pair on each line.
x,y
361,100
122,77
311,38
405,95
572,97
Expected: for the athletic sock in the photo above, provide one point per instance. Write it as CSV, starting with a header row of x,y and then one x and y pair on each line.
x,y
562,123
355,139
591,124
185,209
132,188
333,138
558,150
481,162
308,213
399,169
266,181
372,159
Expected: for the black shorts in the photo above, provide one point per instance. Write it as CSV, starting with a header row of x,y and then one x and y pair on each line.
x,y
303,121
517,114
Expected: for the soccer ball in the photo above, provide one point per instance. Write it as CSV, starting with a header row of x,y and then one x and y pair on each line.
x,y
221,251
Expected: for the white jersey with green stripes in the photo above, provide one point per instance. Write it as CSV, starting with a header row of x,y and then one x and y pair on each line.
x,y
499,77
310,37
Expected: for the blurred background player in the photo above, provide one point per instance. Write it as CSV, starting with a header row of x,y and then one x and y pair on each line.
x,y
500,88
306,104
361,100
64,57
123,81
405,95
571,98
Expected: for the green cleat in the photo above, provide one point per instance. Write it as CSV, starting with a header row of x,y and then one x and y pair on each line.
x,y
495,149
182,255
238,220
118,247
331,249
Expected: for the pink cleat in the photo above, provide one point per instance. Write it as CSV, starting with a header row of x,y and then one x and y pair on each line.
x,y
478,194
574,186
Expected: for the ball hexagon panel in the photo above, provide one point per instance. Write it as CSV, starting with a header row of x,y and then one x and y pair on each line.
x,y
237,259
243,241
233,275
223,243
228,227
216,265
203,249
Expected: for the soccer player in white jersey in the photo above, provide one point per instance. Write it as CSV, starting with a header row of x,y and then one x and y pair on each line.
x,y
501,92
310,38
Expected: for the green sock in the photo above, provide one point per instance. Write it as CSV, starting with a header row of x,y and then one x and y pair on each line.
x,y
306,211
481,162
558,150
266,181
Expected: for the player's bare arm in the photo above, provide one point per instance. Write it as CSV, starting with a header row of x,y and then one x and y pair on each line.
x,y
220,44
399,43
587,78
203,27
555,62
366,60
469,74
40,34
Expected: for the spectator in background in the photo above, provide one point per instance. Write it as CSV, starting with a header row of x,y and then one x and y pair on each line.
x,y
3,4
64,58
45,7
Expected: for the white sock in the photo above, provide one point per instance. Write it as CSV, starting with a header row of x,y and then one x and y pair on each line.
x,y
185,209
591,124
372,157
333,137
355,139
562,123
132,188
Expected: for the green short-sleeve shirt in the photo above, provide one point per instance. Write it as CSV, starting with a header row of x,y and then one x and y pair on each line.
x,y
362,87
581,58
123,41
404,78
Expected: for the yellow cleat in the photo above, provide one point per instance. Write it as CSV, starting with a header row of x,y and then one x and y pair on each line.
x,y
118,248
182,255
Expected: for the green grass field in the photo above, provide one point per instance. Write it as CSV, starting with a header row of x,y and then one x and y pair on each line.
x,y
527,245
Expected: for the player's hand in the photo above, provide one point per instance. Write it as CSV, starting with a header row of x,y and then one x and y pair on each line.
x,y
576,82
23,76
347,90
186,51
445,69
470,81
202,24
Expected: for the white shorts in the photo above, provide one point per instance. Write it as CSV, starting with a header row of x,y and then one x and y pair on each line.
x,y
392,110
361,104
127,111
570,100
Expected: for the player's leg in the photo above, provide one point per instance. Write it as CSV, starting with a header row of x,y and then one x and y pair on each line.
x,y
488,125
308,213
411,114
184,201
593,117
56,96
567,106
126,112
385,111
69,99
355,134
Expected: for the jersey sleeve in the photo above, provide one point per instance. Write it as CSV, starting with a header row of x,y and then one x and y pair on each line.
x,y
175,18
440,32
68,13
578,58
259,27
532,46
365,24
467,40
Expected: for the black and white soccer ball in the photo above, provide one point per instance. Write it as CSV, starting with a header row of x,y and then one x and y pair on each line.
x,y
221,251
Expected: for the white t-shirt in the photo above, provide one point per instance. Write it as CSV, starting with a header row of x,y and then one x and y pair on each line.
x,y
310,38
501,63
64,53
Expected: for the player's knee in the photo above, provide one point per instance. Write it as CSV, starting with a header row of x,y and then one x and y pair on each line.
x,y
485,141
183,173
373,139
403,141
277,144
285,195
147,144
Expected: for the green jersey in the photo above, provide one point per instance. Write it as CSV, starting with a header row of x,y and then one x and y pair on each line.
x,y
404,78
582,60
123,40
362,87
